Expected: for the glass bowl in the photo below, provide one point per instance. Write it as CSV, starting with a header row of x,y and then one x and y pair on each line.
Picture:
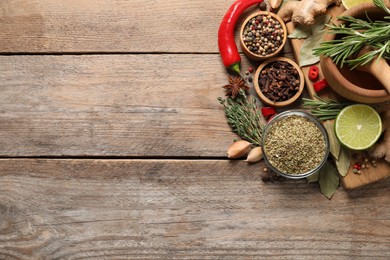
x,y
295,144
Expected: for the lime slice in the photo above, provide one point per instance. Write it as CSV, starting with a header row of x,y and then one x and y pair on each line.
x,y
358,127
351,3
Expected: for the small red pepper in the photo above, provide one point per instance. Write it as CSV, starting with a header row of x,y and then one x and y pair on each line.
x,y
271,117
319,85
226,44
313,72
267,111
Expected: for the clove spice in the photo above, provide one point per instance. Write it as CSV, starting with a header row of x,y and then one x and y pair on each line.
x,y
279,81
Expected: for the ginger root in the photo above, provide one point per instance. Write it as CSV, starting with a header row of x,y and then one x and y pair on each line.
x,y
303,12
382,149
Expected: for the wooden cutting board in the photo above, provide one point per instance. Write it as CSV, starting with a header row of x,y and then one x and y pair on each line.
x,y
351,180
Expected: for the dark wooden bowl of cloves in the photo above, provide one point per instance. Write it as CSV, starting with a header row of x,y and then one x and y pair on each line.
x,y
279,82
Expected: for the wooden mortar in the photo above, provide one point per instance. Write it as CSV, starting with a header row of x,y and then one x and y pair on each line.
x,y
353,84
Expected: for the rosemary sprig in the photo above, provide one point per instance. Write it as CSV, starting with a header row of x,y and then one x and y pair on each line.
x,y
381,4
324,108
355,34
244,117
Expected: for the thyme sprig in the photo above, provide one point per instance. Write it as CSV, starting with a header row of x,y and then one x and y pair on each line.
x,y
356,34
244,117
324,108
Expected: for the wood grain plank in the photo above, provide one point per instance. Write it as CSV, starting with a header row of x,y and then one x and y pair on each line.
x,y
113,105
110,26
137,209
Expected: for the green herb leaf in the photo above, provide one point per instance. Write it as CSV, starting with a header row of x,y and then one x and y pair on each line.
x,y
343,162
306,56
334,143
355,34
313,178
329,180
243,117
300,32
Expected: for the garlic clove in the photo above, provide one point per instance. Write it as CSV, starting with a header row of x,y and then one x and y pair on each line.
x,y
238,149
255,155
275,3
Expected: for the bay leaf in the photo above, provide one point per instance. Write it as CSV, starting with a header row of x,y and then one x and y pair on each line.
x,y
334,142
306,56
300,32
329,179
313,178
343,162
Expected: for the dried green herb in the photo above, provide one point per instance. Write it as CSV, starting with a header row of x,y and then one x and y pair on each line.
x,y
324,108
300,32
356,34
328,179
294,145
313,35
334,143
343,162
244,117
314,177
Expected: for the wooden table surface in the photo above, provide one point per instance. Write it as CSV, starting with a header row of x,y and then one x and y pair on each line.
x,y
113,144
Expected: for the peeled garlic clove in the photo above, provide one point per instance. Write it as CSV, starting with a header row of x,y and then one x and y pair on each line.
x,y
238,149
275,3
255,155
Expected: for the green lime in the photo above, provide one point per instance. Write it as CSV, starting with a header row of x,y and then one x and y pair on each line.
x,y
358,126
351,3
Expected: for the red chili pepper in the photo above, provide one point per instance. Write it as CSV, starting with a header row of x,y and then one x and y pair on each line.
x,y
319,85
267,111
313,73
227,46
271,117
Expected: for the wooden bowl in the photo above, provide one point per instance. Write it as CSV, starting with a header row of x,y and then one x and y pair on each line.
x,y
267,101
353,84
259,57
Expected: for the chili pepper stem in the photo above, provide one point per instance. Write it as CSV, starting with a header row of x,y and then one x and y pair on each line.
x,y
236,68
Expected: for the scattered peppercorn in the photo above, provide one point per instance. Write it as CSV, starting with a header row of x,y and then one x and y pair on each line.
x,y
250,69
263,6
268,175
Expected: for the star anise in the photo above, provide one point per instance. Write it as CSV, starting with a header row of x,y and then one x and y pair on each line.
x,y
234,86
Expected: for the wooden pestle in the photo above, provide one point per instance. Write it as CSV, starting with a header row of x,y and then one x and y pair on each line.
x,y
378,68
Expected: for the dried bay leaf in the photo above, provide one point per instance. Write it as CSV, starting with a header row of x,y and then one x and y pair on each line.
x,y
334,143
343,162
300,32
313,178
329,180
306,56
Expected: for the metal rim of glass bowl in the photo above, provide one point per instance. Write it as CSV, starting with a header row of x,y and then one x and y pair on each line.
x,y
312,119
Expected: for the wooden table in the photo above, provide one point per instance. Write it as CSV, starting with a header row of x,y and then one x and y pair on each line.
x,y
113,145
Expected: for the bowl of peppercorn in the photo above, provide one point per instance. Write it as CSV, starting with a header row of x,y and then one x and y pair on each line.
x,y
279,82
263,35
295,144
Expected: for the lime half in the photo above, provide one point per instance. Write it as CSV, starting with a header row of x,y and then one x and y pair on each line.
x,y
351,3
358,127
